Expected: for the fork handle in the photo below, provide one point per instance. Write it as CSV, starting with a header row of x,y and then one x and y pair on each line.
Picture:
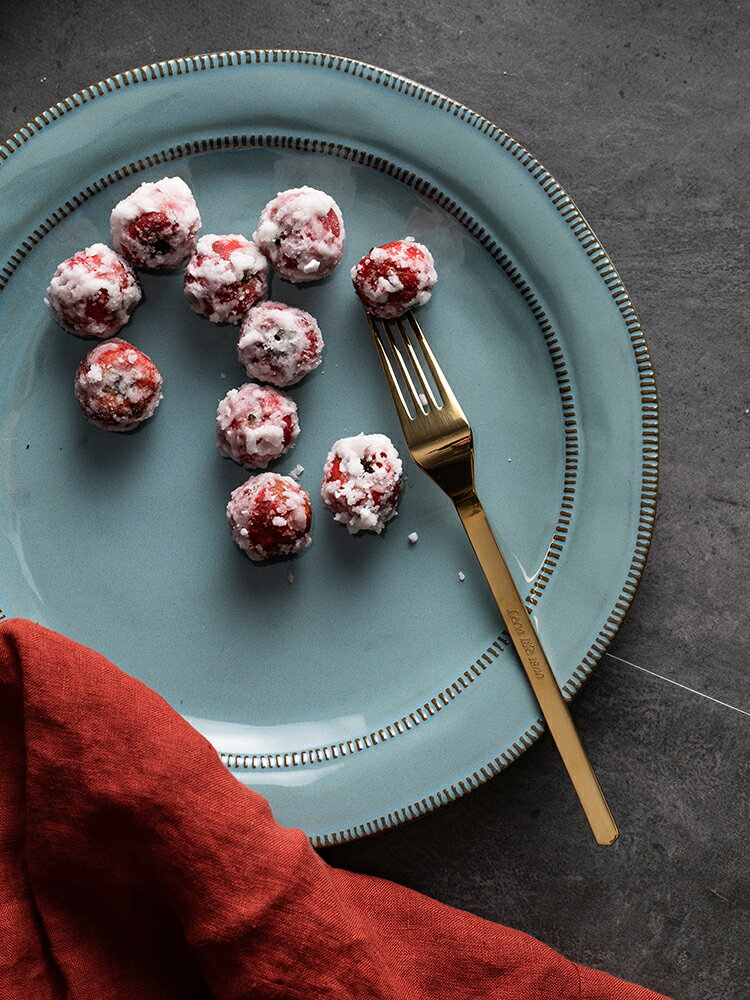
x,y
536,666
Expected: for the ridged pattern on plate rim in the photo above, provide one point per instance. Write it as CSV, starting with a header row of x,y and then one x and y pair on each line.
x,y
594,251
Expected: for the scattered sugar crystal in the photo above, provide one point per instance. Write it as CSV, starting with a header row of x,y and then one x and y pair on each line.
x,y
461,576
413,537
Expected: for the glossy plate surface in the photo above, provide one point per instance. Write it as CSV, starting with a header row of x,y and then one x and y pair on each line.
x,y
374,683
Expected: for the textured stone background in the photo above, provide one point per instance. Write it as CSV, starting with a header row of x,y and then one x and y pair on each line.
x,y
640,111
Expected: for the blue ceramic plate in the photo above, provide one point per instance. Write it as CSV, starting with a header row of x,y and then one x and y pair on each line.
x,y
376,683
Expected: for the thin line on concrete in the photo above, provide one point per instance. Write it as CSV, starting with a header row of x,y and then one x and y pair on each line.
x,y
677,684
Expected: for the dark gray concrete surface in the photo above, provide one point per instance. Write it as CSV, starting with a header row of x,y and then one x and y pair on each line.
x,y
640,111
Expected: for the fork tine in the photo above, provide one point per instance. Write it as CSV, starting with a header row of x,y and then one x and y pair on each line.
x,y
404,368
419,371
405,373
390,376
443,386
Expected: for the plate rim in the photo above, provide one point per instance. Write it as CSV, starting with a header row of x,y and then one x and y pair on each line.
x,y
576,222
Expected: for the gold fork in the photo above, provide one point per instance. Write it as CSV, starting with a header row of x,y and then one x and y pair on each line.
x,y
440,441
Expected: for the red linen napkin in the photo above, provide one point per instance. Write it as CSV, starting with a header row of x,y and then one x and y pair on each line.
x,y
134,865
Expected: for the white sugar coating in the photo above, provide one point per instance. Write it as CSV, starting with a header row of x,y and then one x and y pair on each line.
x,y
222,287
256,424
279,344
75,286
285,532
300,206
117,386
170,195
296,234
362,482
154,196
377,278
